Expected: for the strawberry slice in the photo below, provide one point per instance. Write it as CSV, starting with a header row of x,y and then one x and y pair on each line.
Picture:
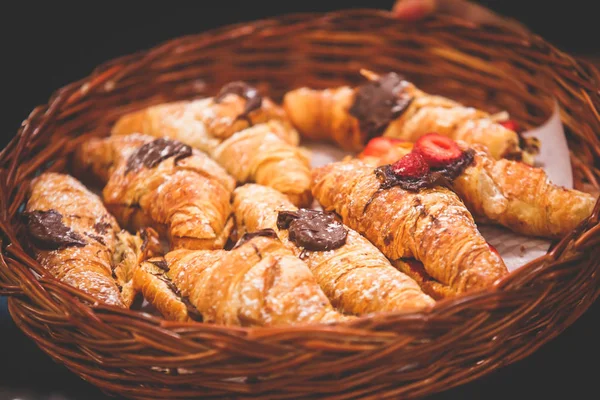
x,y
437,150
511,124
411,165
379,146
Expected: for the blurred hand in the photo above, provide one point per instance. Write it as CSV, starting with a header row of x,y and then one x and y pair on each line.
x,y
412,10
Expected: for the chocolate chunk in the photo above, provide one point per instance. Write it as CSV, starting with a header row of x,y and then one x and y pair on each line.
x,y
313,230
47,230
250,235
436,177
245,91
378,103
153,153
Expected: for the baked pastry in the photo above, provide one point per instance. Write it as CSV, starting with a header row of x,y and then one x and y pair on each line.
x,y
407,220
258,154
503,192
77,241
204,123
390,106
164,184
257,283
247,134
353,273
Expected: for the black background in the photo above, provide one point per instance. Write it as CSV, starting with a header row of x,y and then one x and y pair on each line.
x,y
47,46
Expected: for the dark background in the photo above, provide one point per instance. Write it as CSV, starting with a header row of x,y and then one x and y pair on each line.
x,y
47,46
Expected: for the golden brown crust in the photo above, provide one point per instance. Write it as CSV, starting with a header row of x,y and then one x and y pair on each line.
x,y
152,282
203,123
88,266
356,277
324,114
431,225
185,199
259,283
510,193
258,154
521,197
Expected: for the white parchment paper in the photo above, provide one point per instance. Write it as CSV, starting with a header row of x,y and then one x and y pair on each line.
x,y
516,250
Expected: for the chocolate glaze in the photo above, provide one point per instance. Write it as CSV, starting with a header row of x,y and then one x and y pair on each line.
x,y
378,103
313,230
47,230
250,235
245,91
436,177
153,153
162,264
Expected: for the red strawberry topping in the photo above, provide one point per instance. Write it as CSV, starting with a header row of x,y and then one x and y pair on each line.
x,y
493,249
512,125
437,150
411,165
379,146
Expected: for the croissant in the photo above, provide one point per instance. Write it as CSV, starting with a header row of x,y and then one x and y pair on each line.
x,y
248,135
77,241
258,154
163,184
258,283
507,193
204,123
431,224
355,276
392,107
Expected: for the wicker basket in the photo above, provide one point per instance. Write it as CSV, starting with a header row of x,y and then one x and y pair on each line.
x,y
393,355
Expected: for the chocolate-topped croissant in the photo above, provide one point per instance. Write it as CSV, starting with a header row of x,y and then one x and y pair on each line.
x,y
503,192
164,184
258,283
390,106
353,273
430,224
204,123
78,241
250,136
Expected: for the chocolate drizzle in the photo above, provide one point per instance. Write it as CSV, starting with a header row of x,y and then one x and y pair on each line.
x,y
437,176
153,153
47,230
250,235
313,230
245,91
379,102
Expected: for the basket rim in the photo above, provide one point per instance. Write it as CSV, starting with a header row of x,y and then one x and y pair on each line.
x,y
110,69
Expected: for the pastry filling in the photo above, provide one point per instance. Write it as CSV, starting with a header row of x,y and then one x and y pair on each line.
x,y
153,153
436,176
313,230
379,102
245,91
251,235
192,311
47,230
